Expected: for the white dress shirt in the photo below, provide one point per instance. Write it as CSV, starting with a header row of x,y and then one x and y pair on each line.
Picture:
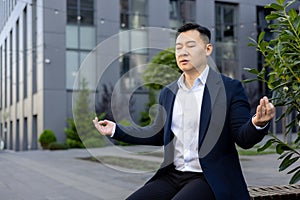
x,y
185,123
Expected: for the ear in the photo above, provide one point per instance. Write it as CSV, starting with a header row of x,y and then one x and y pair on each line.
x,y
209,49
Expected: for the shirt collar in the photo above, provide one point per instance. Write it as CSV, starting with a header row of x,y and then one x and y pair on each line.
x,y
201,79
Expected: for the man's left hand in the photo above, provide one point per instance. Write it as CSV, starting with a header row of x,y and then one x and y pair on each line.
x,y
265,111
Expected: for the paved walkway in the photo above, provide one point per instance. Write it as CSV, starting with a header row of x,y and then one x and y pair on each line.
x,y
59,175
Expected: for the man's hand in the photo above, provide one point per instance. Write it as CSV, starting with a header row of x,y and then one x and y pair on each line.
x,y
105,127
265,111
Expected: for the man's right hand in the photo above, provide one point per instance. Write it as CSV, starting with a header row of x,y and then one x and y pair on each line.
x,y
105,127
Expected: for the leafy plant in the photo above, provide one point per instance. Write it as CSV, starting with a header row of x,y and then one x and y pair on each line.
x,y
161,71
46,138
73,139
82,131
57,146
281,74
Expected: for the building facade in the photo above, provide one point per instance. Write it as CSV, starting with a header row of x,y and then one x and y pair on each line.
x,y
44,42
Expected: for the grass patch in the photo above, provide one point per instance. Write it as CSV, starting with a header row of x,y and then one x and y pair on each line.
x,y
253,151
129,163
159,154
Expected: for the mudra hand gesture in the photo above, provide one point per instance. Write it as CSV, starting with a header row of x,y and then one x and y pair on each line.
x,y
265,112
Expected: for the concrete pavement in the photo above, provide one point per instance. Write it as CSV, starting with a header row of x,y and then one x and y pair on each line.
x,y
60,175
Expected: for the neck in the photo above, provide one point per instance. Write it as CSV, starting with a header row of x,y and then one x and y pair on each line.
x,y
191,76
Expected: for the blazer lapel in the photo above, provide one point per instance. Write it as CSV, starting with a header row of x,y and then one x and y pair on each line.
x,y
170,98
168,136
204,115
211,90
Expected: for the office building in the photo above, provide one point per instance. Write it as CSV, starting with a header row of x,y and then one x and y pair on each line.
x,y
43,43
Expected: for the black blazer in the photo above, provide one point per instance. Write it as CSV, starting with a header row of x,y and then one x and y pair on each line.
x,y
225,121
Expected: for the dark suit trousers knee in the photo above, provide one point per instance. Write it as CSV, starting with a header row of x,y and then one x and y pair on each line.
x,y
175,185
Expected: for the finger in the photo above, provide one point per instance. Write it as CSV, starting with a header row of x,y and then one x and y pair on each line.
x,y
263,104
259,111
271,110
103,122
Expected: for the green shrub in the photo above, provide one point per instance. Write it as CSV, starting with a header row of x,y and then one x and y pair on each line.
x,y
73,139
46,138
57,146
74,143
94,142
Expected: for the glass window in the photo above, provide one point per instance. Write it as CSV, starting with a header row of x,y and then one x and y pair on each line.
x,y
80,36
11,68
72,36
263,25
181,11
73,61
133,14
5,73
24,61
17,61
132,41
72,11
87,37
1,64
226,38
124,15
72,67
132,71
84,9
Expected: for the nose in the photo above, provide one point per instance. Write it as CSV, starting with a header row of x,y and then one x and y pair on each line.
x,y
181,52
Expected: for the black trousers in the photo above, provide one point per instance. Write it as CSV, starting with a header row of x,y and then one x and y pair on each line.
x,y
175,185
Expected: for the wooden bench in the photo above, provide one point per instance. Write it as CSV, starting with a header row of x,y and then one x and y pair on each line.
x,y
280,192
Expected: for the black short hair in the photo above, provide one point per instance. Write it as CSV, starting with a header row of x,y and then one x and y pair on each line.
x,y
193,26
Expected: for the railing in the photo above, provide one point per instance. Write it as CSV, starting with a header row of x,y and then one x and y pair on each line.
x,y
282,192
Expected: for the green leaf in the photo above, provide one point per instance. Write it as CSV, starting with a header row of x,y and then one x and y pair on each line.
x,y
287,162
279,148
261,36
295,178
253,42
293,170
293,14
284,155
275,6
290,33
262,45
273,16
249,80
266,145
296,23
251,70
280,2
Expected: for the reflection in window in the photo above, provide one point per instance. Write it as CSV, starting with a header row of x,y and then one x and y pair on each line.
x,y
73,60
1,75
263,25
132,66
87,38
80,36
80,10
226,38
133,15
181,11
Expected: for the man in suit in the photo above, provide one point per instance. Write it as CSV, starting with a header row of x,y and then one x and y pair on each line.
x,y
200,118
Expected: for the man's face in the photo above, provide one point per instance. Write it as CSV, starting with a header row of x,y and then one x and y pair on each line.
x,y
191,52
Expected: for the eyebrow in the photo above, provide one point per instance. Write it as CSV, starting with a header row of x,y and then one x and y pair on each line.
x,y
190,41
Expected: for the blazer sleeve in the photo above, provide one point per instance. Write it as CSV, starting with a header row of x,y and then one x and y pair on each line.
x,y
148,135
243,131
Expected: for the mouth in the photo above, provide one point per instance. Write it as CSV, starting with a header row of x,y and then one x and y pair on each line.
x,y
184,62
